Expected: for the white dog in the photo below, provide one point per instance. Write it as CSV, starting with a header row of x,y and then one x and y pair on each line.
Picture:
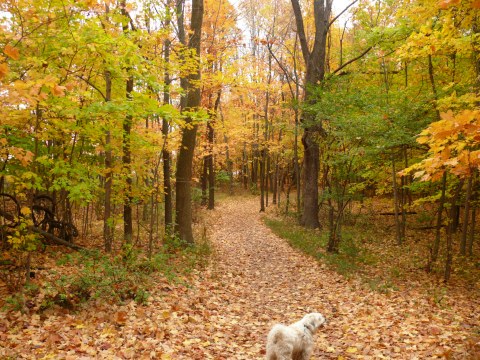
x,y
294,342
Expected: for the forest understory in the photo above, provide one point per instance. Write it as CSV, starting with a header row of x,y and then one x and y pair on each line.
x,y
391,309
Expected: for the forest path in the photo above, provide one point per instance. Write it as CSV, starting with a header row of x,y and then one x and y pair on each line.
x,y
264,281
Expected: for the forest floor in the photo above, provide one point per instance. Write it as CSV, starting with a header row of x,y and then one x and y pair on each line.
x,y
225,311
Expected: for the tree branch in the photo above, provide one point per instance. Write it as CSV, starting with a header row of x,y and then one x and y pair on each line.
x,y
92,85
300,29
341,13
353,60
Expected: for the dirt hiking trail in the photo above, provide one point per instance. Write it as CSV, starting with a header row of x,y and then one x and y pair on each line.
x,y
266,281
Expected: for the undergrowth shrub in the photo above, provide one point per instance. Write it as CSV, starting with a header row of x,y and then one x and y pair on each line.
x,y
16,253
127,276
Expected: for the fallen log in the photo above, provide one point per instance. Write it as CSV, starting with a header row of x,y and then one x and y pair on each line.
x,y
427,227
55,239
45,234
399,213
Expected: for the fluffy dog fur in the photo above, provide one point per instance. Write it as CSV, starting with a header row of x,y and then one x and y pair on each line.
x,y
294,342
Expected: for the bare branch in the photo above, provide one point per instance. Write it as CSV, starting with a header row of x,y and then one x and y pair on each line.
x,y
341,13
353,60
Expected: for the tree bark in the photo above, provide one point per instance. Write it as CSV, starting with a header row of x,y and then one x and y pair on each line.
x,y
127,166
315,71
450,232
436,243
107,214
190,102
167,184
204,178
463,241
211,160
471,235
210,167
127,155
396,200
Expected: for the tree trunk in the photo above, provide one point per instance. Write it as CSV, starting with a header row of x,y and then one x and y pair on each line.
x,y
463,241
167,184
204,179
107,214
471,235
127,155
275,181
398,224
211,161
315,71
331,247
211,171
190,102
436,243
262,181
245,172
450,232
127,166
229,165
310,187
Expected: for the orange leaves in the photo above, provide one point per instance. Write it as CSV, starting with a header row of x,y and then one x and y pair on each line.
x,y
11,52
24,156
58,90
453,143
3,70
120,318
445,4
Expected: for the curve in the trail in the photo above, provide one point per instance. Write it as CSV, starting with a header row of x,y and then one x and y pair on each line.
x,y
265,281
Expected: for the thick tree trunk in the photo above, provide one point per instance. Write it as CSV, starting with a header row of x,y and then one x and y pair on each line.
x,y
310,186
315,71
191,102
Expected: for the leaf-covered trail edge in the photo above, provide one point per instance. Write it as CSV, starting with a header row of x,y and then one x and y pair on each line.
x,y
225,311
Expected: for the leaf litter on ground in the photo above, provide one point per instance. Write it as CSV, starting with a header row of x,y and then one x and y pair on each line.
x,y
254,281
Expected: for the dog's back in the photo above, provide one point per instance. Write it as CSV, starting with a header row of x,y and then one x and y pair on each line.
x,y
275,338
294,341
281,342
